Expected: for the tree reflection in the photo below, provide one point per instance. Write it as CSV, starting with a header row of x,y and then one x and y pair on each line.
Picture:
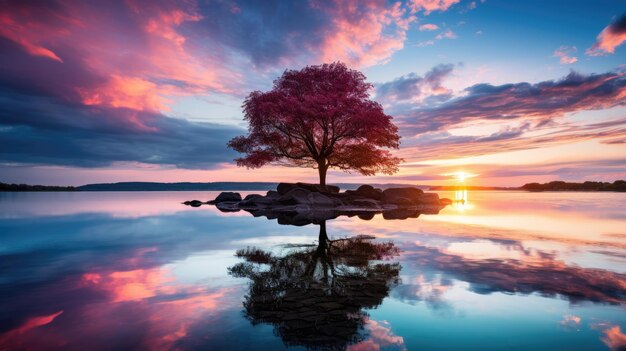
x,y
314,295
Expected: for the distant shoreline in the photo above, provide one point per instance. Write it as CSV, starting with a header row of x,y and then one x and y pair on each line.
x,y
555,186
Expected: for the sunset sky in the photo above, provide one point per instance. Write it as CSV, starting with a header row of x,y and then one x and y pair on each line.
x,y
509,91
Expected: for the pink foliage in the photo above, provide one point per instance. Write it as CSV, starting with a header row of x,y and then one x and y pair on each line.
x,y
320,117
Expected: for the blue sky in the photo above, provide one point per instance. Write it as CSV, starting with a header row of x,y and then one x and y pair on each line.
x,y
128,91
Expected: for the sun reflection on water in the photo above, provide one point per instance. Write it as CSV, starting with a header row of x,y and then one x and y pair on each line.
x,y
461,202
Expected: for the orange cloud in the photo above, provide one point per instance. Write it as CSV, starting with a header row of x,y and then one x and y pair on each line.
x,y
610,38
614,338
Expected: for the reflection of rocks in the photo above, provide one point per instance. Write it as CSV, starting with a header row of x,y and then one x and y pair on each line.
x,y
314,296
325,202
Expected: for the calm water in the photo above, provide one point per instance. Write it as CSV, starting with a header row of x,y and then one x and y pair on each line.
x,y
505,271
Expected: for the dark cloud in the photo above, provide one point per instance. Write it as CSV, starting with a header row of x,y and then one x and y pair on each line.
x,y
414,88
521,101
268,31
44,130
86,84
44,121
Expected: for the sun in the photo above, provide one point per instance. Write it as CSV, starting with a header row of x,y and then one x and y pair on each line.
x,y
460,176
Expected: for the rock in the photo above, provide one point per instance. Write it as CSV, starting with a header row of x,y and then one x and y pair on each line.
x,y
403,202
445,201
319,200
226,196
272,194
429,199
392,195
284,188
193,203
366,216
365,203
294,196
252,197
369,192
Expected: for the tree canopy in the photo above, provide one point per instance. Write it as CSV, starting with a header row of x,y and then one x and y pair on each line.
x,y
320,117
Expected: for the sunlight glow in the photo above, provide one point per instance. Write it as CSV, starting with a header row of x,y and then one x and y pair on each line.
x,y
460,176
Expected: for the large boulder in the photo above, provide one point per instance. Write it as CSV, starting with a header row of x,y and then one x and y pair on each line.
x,y
365,191
253,201
252,197
294,196
226,196
320,200
369,192
399,195
284,188
273,194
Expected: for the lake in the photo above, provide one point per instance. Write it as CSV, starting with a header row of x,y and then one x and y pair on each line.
x,y
140,271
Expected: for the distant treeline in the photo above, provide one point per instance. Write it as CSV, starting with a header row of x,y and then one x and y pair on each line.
x,y
26,187
618,185
182,186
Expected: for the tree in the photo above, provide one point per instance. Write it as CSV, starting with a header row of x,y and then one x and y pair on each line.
x,y
319,117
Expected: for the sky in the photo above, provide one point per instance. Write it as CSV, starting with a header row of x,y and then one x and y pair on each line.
x,y
508,92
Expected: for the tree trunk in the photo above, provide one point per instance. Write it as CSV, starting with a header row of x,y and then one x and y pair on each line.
x,y
322,168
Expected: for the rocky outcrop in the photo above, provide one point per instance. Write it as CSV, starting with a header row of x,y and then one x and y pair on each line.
x,y
226,196
284,188
304,203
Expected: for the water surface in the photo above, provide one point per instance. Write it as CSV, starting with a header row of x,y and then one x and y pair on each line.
x,y
138,270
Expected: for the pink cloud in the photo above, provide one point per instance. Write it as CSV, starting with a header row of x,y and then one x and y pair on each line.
x,y
140,59
429,6
428,27
364,35
447,34
610,38
566,54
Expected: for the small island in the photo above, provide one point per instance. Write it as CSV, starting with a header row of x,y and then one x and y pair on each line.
x,y
304,203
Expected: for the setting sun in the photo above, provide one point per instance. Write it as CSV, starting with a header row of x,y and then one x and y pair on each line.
x,y
460,176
